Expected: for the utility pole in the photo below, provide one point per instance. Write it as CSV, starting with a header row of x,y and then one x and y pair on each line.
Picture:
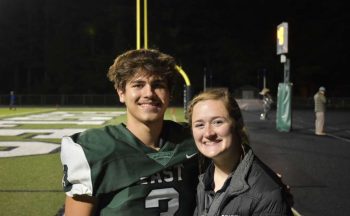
x,y
284,95
205,79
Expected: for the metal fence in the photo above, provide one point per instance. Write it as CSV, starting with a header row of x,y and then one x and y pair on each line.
x,y
112,100
62,100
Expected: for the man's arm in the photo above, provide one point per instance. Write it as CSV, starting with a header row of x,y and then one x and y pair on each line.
x,y
79,205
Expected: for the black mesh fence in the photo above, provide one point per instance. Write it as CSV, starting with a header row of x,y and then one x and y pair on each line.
x,y
112,100
62,100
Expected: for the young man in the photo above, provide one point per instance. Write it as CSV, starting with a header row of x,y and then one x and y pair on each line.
x,y
147,166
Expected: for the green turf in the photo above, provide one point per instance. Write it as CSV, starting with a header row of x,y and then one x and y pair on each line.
x,y
31,185
30,204
6,113
31,173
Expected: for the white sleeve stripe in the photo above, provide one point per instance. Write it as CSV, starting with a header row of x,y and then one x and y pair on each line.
x,y
79,172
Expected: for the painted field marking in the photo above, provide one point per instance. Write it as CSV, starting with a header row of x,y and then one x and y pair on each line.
x,y
24,148
27,148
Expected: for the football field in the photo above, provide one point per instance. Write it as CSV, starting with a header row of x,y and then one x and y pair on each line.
x,y
30,167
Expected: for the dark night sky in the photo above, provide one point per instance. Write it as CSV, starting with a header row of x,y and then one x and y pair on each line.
x,y
66,47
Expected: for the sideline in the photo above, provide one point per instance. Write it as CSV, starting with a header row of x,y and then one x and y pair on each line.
x,y
338,137
327,134
334,136
295,212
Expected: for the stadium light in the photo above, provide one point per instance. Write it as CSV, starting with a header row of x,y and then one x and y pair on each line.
x,y
282,38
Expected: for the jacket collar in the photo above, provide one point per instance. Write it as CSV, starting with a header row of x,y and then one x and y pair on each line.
x,y
238,183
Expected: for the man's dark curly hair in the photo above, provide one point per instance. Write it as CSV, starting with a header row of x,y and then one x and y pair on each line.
x,y
149,61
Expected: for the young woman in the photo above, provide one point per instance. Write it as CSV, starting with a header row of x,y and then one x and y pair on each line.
x,y
236,182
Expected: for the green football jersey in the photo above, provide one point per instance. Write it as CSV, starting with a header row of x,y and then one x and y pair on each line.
x,y
129,178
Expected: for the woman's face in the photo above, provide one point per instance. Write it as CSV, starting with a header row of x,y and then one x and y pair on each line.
x,y
212,129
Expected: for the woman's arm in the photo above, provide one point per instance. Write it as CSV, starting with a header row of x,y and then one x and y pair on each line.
x,y
79,205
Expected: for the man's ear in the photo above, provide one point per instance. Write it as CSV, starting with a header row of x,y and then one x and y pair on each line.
x,y
121,95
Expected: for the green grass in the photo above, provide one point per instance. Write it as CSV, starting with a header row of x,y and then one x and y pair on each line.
x,y
6,113
40,173
31,185
30,204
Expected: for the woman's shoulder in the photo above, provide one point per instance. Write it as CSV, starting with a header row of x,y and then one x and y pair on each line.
x,y
262,178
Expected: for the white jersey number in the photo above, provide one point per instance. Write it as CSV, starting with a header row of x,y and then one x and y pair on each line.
x,y
153,198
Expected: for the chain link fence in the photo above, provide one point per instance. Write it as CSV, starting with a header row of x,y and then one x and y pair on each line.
x,y
112,100
62,100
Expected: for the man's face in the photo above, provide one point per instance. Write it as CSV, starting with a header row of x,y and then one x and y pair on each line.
x,y
146,98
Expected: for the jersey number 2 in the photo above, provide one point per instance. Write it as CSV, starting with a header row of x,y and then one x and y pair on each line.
x,y
153,198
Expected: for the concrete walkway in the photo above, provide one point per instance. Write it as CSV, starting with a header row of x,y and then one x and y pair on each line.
x,y
315,167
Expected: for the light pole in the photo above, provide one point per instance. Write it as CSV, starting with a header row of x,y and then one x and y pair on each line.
x,y
284,95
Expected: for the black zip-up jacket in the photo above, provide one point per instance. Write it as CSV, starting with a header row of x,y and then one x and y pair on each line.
x,y
252,189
